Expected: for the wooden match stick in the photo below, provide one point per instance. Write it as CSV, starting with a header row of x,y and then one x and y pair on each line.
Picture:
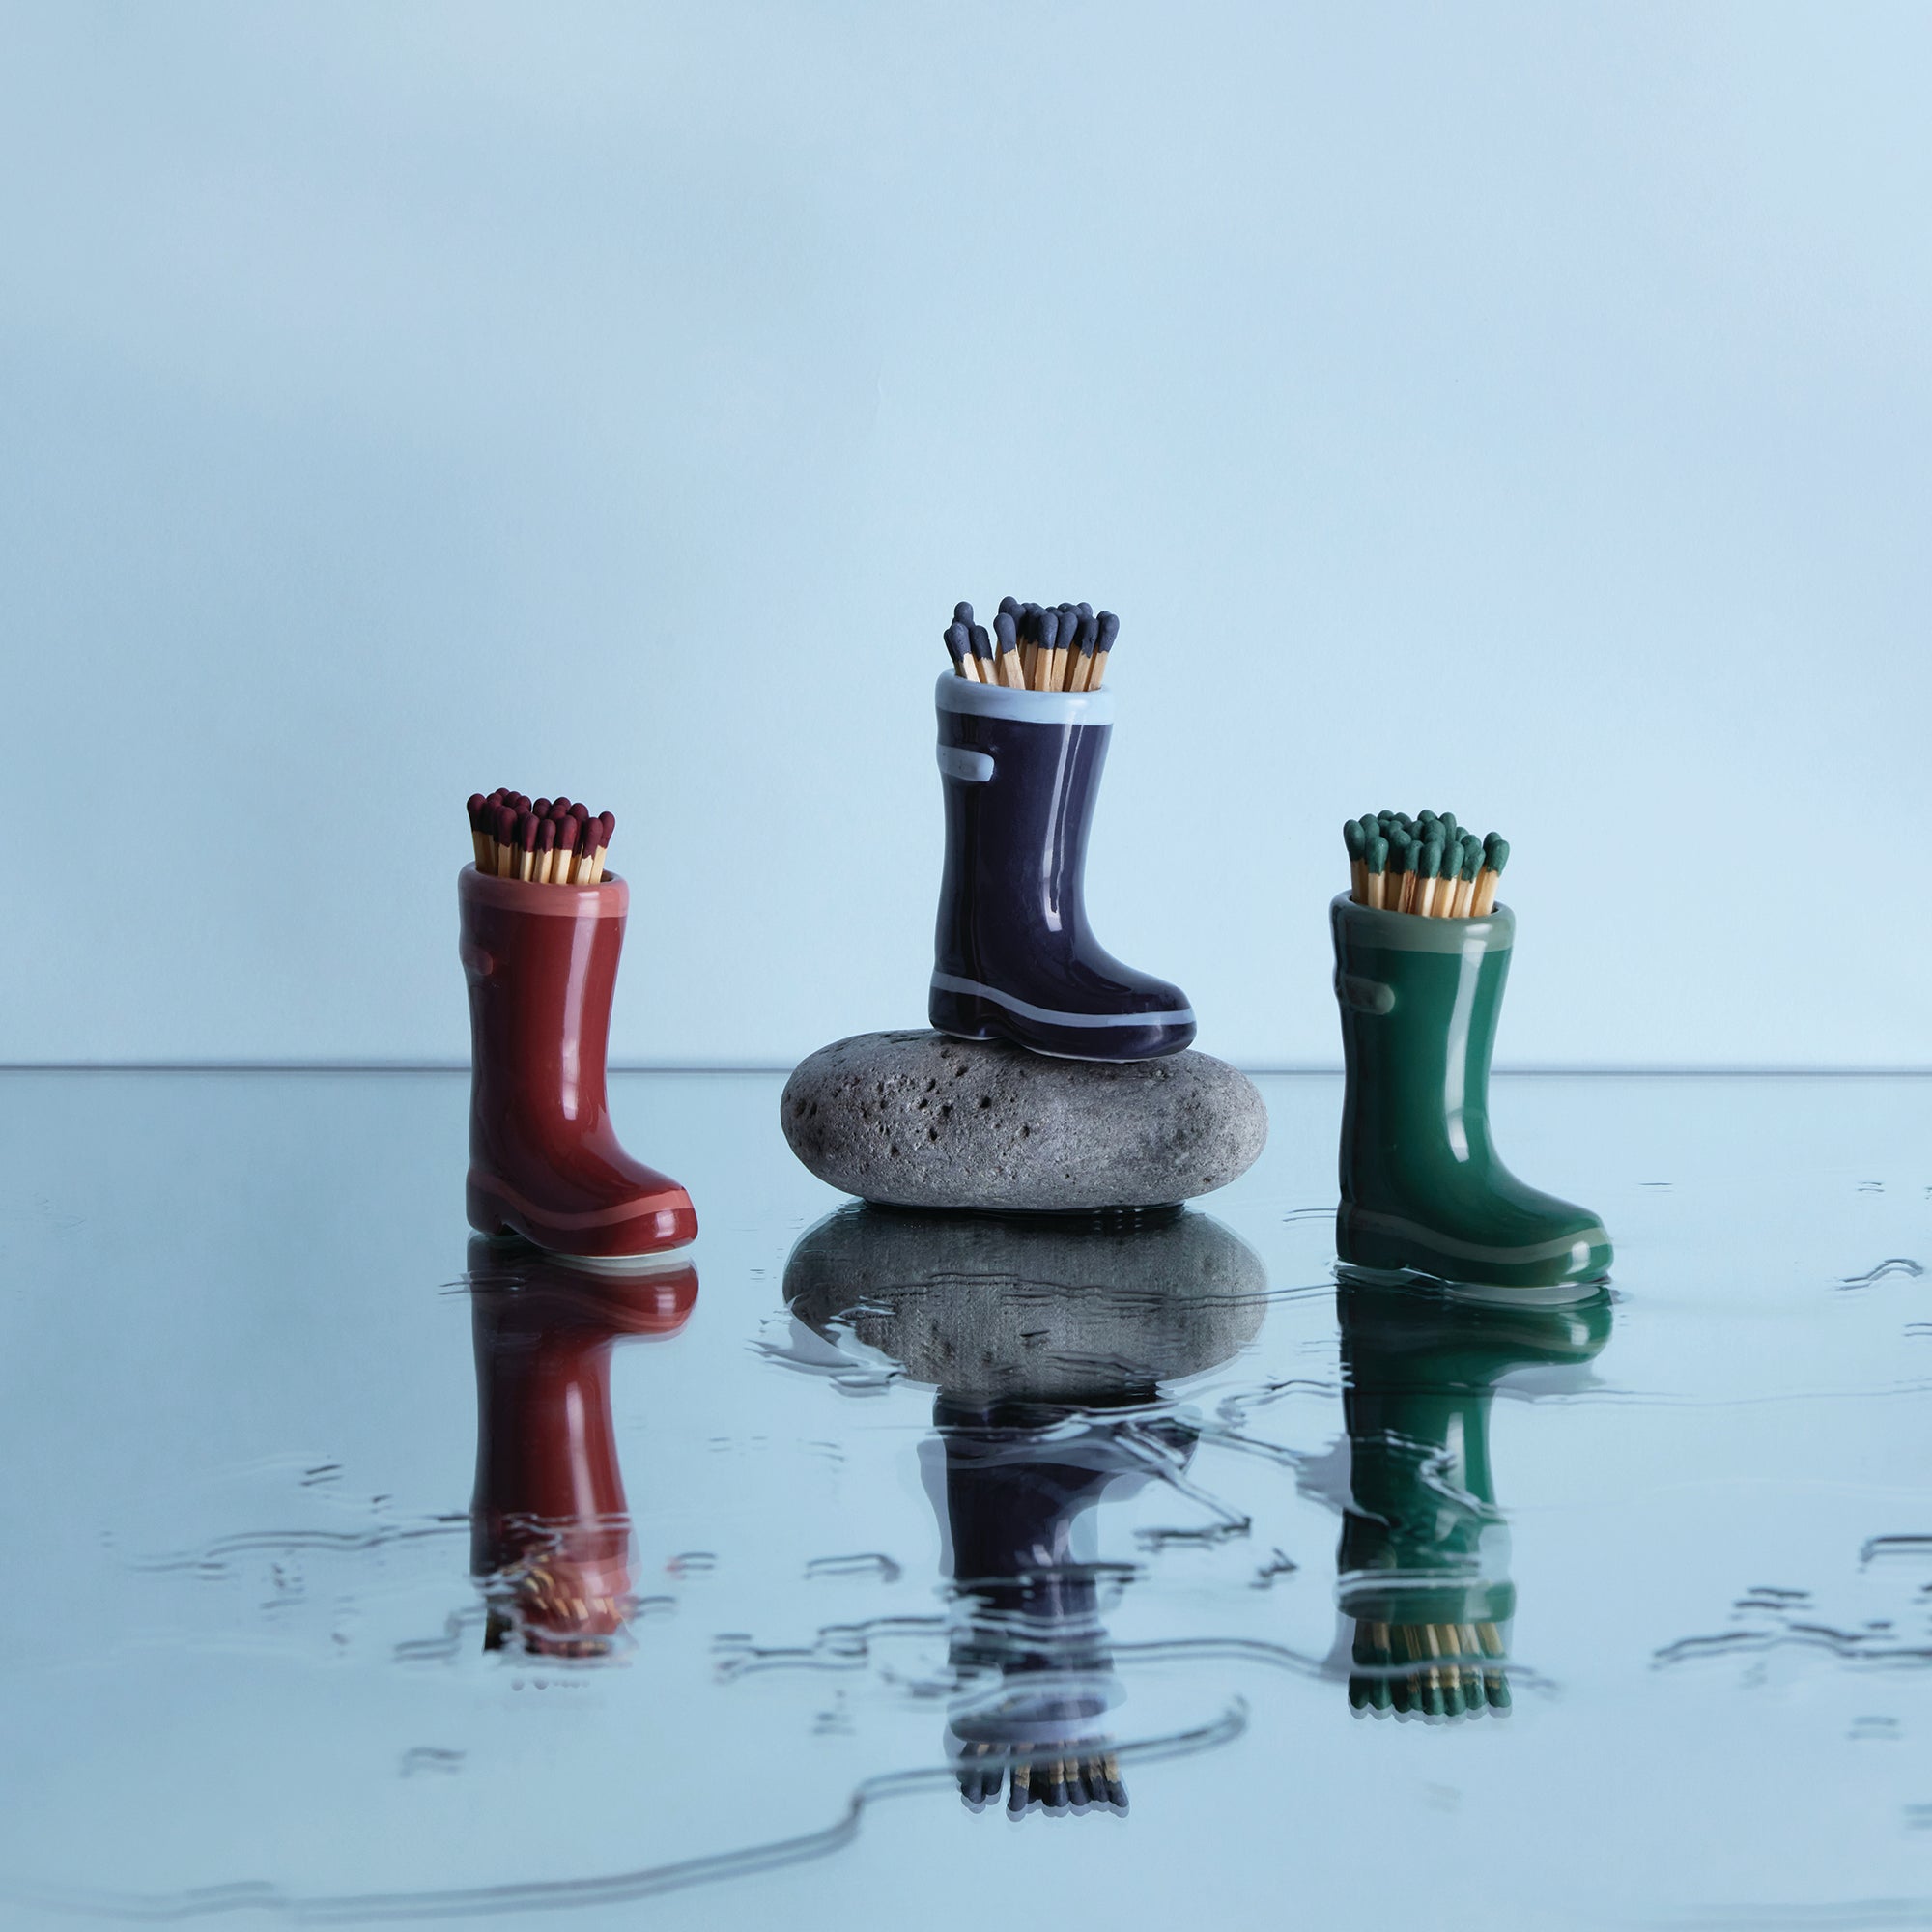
x,y
599,829
983,656
1377,857
546,849
1495,856
527,843
1109,629
1430,890
507,840
1393,894
959,649
565,862
1050,665
1006,652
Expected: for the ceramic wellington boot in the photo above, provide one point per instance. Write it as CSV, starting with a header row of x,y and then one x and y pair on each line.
x,y
549,1532
1423,1192
1424,1564
1013,958
544,1157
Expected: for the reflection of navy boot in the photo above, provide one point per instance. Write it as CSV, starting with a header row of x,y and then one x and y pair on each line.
x,y
1013,958
1036,1679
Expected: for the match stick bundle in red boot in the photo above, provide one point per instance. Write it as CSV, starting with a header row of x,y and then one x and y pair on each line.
x,y
540,952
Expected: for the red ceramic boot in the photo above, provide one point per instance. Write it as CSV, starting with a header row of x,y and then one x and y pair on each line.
x,y
544,1159
551,1534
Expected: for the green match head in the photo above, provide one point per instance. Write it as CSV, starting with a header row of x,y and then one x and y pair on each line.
x,y
1407,823
1369,825
1498,853
1489,839
1430,867
1450,830
1472,855
1378,854
1401,844
1428,818
1354,839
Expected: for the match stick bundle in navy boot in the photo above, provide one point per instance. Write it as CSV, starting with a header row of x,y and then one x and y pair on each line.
x,y
1013,956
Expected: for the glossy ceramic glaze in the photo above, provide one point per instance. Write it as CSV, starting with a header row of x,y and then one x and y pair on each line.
x,y
545,1160
1423,1542
1423,1190
550,1535
1015,958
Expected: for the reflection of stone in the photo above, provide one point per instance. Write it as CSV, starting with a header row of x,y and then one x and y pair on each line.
x,y
1046,1341
920,1119
1424,1562
989,1309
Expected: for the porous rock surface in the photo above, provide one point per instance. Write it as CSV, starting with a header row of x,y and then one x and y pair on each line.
x,y
922,1119
992,1308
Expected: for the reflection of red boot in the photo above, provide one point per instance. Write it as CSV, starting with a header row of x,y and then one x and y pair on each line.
x,y
544,1159
551,1536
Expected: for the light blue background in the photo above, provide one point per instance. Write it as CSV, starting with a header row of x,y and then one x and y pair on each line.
x,y
1517,408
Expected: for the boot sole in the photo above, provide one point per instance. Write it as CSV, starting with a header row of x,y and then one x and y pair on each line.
x,y
632,1232
973,1014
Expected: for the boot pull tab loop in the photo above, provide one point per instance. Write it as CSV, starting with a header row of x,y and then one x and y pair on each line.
x,y
1366,996
970,767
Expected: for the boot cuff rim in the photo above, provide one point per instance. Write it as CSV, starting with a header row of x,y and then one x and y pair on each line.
x,y
609,898
1410,932
1032,707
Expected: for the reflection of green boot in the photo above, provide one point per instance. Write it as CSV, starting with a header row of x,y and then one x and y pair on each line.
x,y
1424,1563
1423,1192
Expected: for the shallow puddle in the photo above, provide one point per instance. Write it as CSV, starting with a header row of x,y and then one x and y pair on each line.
x,y
857,1568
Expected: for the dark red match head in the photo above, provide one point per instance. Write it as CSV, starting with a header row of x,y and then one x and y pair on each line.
x,y
506,824
608,821
566,834
541,808
527,831
580,813
546,833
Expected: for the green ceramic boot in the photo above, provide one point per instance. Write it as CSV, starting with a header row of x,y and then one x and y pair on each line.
x,y
1423,1192
1424,1561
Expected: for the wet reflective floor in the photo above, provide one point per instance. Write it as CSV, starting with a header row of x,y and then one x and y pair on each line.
x,y
857,1570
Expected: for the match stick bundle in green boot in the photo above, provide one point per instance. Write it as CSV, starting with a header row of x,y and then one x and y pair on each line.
x,y
1421,953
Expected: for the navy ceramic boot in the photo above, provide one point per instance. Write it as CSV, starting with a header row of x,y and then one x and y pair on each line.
x,y
1013,958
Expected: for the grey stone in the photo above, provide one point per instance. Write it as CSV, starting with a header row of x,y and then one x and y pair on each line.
x,y
922,1119
987,1308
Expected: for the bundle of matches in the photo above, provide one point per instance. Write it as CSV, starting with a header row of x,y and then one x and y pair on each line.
x,y
1426,865
1432,1670
1053,1784
549,841
1032,647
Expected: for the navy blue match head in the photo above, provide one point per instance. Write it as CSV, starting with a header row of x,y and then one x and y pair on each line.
x,y
1007,631
1085,609
982,646
1109,629
962,613
1049,629
1089,631
1009,607
956,640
